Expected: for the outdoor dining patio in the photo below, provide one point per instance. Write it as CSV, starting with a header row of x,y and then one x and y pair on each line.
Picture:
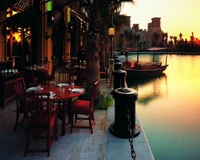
x,y
70,143
78,145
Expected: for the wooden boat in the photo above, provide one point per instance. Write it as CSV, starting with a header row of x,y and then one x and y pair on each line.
x,y
149,69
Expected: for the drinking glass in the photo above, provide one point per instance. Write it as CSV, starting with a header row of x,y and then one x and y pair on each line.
x,y
72,85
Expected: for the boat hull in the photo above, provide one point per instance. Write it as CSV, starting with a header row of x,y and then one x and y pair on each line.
x,y
131,72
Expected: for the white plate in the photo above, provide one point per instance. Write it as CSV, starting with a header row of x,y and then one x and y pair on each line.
x,y
77,90
51,95
31,89
62,84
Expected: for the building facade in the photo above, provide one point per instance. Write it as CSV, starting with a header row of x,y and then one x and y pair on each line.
x,y
39,29
153,36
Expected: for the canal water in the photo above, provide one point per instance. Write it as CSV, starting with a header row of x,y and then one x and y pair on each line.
x,y
168,107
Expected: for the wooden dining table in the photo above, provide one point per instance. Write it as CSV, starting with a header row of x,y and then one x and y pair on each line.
x,y
63,94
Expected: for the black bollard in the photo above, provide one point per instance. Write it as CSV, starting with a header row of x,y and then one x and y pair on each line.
x,y
115,56
119,78
117,65
124,107
116,60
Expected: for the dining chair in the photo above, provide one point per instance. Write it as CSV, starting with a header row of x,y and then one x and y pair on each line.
x,y
43,118
73,61
81,75
64,76
84,107
20,89
104,75
74,74
48,77
45,64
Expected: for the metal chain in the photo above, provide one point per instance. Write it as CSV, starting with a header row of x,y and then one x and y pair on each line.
x,y
133,154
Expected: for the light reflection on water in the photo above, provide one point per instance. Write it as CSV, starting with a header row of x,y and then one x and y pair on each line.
x,y
169,108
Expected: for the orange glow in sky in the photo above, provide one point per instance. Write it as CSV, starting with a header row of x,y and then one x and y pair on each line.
x,y
177,16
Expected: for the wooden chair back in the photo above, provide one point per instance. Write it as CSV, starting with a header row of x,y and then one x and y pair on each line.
x,y
94,88
20,89
41,118
45,64
54,68
40,110
64,77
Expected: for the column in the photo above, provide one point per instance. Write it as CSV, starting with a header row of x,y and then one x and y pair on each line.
x,y
48,32
2,35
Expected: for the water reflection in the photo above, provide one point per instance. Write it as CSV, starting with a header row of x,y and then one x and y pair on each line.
x,y
168,107
150,88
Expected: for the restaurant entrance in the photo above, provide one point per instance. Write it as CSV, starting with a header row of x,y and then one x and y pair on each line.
x,y
19,31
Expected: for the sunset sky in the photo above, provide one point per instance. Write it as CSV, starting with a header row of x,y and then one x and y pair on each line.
x,y
177,16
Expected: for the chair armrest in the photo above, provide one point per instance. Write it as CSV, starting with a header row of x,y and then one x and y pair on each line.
x,y
54,108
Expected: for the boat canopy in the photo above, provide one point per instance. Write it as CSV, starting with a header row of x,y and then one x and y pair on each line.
x,y
157,49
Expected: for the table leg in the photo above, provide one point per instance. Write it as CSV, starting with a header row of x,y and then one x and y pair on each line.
x,y
64,117
69,110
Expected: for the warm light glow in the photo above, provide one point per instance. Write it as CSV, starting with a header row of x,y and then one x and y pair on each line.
x,y
10,12
176,16
18,39
111,31
8,37
13,13
17,36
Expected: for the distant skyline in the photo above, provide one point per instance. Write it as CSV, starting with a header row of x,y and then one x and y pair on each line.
x,y
177,16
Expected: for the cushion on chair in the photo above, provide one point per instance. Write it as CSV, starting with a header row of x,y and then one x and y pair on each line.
x,y
103,73
82,105
37,121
